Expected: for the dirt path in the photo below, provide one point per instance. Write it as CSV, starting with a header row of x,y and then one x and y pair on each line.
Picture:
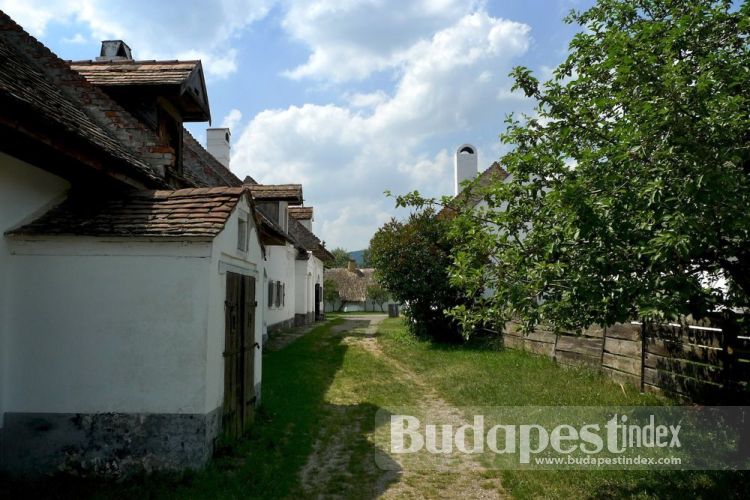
x,y
458,475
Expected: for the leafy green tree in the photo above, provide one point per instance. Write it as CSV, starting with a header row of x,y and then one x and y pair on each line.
x,y
412,259
630,184
340,258
378,295
330,292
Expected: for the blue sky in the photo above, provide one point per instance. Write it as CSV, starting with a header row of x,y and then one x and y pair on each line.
x,y
347,97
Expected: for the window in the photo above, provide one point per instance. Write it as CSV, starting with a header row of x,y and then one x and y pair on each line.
x,y
278,294
242,234
271,289
283,294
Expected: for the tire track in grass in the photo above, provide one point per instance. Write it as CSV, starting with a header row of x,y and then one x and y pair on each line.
x,y
457,476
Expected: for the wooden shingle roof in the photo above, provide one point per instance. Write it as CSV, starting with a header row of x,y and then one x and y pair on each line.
x,y
181,82
308,240
36,85
301,213
473,193
194,213
111,73
277,192
201,167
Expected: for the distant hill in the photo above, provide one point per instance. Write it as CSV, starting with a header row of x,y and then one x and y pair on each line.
x,y
357,255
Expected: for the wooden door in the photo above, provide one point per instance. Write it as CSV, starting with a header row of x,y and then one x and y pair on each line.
x,y
239,354
248,349
318,298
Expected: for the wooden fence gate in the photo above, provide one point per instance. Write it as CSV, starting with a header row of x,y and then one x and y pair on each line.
x,y
239,354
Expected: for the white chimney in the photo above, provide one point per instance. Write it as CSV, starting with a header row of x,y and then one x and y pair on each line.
x,y
217,143
465,167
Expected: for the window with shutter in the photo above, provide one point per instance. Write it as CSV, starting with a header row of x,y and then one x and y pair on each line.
x,y
270,294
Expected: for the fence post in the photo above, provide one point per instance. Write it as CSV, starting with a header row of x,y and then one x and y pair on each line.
x,y
643,355
554,349
604,342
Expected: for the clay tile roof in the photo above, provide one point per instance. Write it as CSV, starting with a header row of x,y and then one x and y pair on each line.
x,y
39,84
351,285
277,192
195,213
113,73
301,213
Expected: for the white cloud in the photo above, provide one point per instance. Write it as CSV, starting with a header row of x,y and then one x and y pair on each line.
x,y
350,39
367,100
347,155
232,119
77,39
154,30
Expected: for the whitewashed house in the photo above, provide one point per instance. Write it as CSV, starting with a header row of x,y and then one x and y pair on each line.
x,y
309,266
293,270
131,264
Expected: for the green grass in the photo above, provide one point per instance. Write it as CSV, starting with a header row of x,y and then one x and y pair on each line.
x,y
478,376
322,389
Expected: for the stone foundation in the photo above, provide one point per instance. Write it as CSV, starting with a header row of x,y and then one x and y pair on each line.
x,y
106,444
304,319
281,325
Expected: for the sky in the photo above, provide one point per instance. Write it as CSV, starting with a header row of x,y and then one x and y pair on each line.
x,y
348,97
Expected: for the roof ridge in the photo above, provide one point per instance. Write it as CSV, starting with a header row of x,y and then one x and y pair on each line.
x,y
134,61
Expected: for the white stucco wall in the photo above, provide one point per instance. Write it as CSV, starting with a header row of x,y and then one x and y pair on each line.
x,y
25,191
280,266
226,257
308,273
303,283
113,325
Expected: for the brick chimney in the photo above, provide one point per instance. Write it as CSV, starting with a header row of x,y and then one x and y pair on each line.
x,y
114,50
352,266
465,167
217,143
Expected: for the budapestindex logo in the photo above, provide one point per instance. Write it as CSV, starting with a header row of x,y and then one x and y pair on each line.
x,y
527,437
616,436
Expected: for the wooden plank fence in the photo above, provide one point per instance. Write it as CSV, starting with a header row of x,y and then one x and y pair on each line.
x,y
705,361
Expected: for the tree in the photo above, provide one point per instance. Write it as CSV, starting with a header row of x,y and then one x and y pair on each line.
x,y
340,258
330,292
630,185
412,259
378,295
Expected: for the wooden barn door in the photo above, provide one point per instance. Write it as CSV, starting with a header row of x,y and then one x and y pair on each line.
x,y
239,354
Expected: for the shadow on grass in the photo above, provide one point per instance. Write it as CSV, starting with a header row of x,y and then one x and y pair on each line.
x,y
278,454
